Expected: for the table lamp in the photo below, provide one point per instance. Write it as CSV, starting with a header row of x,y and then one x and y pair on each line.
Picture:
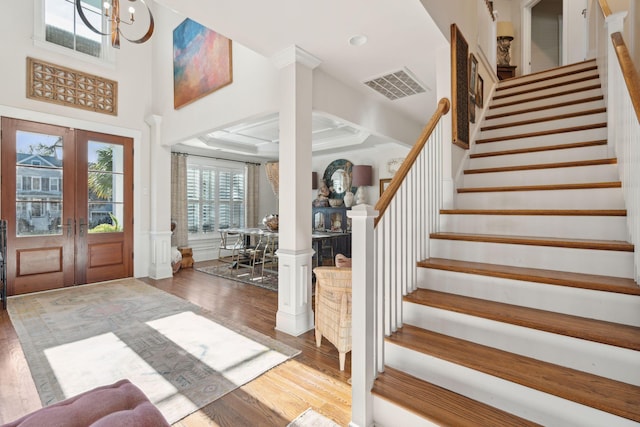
x,y
361,177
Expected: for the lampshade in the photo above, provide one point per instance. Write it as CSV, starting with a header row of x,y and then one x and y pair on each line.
x,y
361,175
314,180
505,29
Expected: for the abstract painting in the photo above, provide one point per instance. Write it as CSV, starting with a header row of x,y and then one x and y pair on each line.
x,y
201,62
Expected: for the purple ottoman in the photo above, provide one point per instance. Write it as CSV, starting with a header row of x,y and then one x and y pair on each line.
x,y
121,404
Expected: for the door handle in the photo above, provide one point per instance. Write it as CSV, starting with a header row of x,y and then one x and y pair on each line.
x,y
81,226
69,226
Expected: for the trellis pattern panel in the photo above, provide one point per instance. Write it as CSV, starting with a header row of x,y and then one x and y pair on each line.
x,y
65,86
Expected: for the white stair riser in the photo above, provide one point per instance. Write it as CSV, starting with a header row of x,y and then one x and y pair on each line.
x,y
587,356
588,261
574,96
544,126
522,401
547,156
589,75
386,414
562,299
566,175
560,226
541,114
596,198
561,138
548,74
528,96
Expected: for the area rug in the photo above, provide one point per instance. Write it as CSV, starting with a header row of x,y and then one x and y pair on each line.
x,y
182,356
311,418
264,279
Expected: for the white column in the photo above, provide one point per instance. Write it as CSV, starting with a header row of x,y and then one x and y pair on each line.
x,y
160,203
295,314
363,367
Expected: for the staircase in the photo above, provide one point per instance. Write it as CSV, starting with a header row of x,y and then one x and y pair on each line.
x,y
525,312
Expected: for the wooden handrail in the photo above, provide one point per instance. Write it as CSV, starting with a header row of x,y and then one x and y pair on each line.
x,y
604,6
398,178
629,71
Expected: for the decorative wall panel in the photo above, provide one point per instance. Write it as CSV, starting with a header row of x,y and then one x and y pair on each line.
x,y
65,86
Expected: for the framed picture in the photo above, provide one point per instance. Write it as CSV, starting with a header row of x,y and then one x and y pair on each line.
x,y
459,88
480,92
384,183
201,62
473,83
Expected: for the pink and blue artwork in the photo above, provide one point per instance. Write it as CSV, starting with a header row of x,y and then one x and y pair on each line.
x,y
201,62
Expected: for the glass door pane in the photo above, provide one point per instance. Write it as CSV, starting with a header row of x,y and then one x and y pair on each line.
x,y
105,187
39,189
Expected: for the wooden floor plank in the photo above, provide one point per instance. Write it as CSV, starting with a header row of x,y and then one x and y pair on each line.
x,y
319,383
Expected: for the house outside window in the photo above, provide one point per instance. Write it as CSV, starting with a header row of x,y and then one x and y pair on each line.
x,y
215,198
59,27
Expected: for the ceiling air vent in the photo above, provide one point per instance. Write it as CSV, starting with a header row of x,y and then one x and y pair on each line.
x,y
396,85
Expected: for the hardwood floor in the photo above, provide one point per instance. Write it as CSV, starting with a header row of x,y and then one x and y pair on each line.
x,y
310,380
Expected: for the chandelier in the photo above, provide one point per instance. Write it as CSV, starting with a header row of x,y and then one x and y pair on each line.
x,y
112,14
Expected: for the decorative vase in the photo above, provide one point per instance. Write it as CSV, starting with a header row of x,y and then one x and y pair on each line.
x,y
271,222
348,199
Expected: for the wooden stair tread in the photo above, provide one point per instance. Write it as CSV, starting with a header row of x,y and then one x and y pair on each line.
x,y
605,245
541,133
438,404
545,187
545,87
542,97
544,107
615,334
545,119
527,80
580,163
598,392
539,149
525,212
537,275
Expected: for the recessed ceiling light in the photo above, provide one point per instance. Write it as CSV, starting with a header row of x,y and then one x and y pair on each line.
x,y
358,40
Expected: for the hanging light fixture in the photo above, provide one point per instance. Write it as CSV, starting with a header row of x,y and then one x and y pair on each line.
x,y
112,13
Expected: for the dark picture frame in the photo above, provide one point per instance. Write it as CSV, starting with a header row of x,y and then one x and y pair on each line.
x,y
459,88
202,62
384,183
473,83
480,92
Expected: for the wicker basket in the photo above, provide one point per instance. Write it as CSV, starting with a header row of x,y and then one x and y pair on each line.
x,y
333,308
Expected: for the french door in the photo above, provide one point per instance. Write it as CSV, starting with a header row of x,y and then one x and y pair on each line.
x,y
67,196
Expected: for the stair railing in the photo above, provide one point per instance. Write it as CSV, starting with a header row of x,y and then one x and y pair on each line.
x,y
621,85
387,242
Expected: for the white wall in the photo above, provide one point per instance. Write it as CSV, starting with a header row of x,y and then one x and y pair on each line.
x,y
134,101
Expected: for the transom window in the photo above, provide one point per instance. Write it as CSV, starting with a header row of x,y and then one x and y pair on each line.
x,y
58,23
215,198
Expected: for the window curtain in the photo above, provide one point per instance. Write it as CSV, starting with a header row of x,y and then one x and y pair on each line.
x,y
180,235
253,189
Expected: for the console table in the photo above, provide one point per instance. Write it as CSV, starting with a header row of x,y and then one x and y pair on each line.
x,y
506,71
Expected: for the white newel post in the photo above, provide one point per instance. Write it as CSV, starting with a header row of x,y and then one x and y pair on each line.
x,y
160,203
362,314
295,313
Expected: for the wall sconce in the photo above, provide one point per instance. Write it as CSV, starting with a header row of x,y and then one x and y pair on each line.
x,y
504,36
361,176
112,14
